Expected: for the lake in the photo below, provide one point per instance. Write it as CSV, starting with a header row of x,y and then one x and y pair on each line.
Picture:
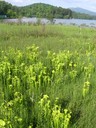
x,y
79,22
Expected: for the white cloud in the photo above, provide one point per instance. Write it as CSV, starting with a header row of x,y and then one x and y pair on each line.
x,y
87,4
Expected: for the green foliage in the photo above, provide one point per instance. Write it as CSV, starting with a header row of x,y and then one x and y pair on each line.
x,y
53,117
86,88
11,14
2,123
47,76
39,10
4,6
82,16
6,9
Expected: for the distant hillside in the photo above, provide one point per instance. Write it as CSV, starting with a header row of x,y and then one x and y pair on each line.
x,y
49,11
81,10
45,11
40,10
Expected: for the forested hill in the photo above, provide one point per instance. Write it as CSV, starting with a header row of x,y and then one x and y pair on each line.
x,y
35,10
45,11
39,10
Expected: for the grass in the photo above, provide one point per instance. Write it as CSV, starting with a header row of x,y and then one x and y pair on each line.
x,y
49,65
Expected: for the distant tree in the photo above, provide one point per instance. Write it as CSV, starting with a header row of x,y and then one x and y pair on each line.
x,y
4,6
11,14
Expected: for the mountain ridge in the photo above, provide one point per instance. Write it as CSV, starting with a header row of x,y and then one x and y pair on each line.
x,y
82,10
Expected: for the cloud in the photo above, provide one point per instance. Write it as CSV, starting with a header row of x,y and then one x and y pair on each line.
x,y
87,4
19,2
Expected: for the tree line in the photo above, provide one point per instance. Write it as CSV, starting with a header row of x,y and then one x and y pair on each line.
x,y
39,10
45,11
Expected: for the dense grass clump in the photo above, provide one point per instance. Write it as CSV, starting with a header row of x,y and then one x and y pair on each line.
x,y
47,76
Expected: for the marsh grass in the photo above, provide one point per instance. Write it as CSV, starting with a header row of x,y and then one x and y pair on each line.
x,y
53,61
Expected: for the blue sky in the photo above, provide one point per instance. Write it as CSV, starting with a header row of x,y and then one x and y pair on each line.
x,y
86,4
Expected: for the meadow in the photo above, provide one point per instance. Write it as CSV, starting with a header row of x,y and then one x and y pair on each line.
x,y
47,76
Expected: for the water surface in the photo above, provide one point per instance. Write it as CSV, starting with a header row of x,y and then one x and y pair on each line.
x,y
79,22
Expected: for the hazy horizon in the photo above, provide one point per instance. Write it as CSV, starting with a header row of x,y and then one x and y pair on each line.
x,y
91,4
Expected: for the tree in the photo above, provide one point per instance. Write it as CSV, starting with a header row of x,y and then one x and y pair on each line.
x,y
4,6
11,13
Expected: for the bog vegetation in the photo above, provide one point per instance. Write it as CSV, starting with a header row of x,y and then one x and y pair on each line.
x,y
47,76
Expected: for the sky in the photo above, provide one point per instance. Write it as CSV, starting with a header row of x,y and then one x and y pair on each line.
x,y
86,4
